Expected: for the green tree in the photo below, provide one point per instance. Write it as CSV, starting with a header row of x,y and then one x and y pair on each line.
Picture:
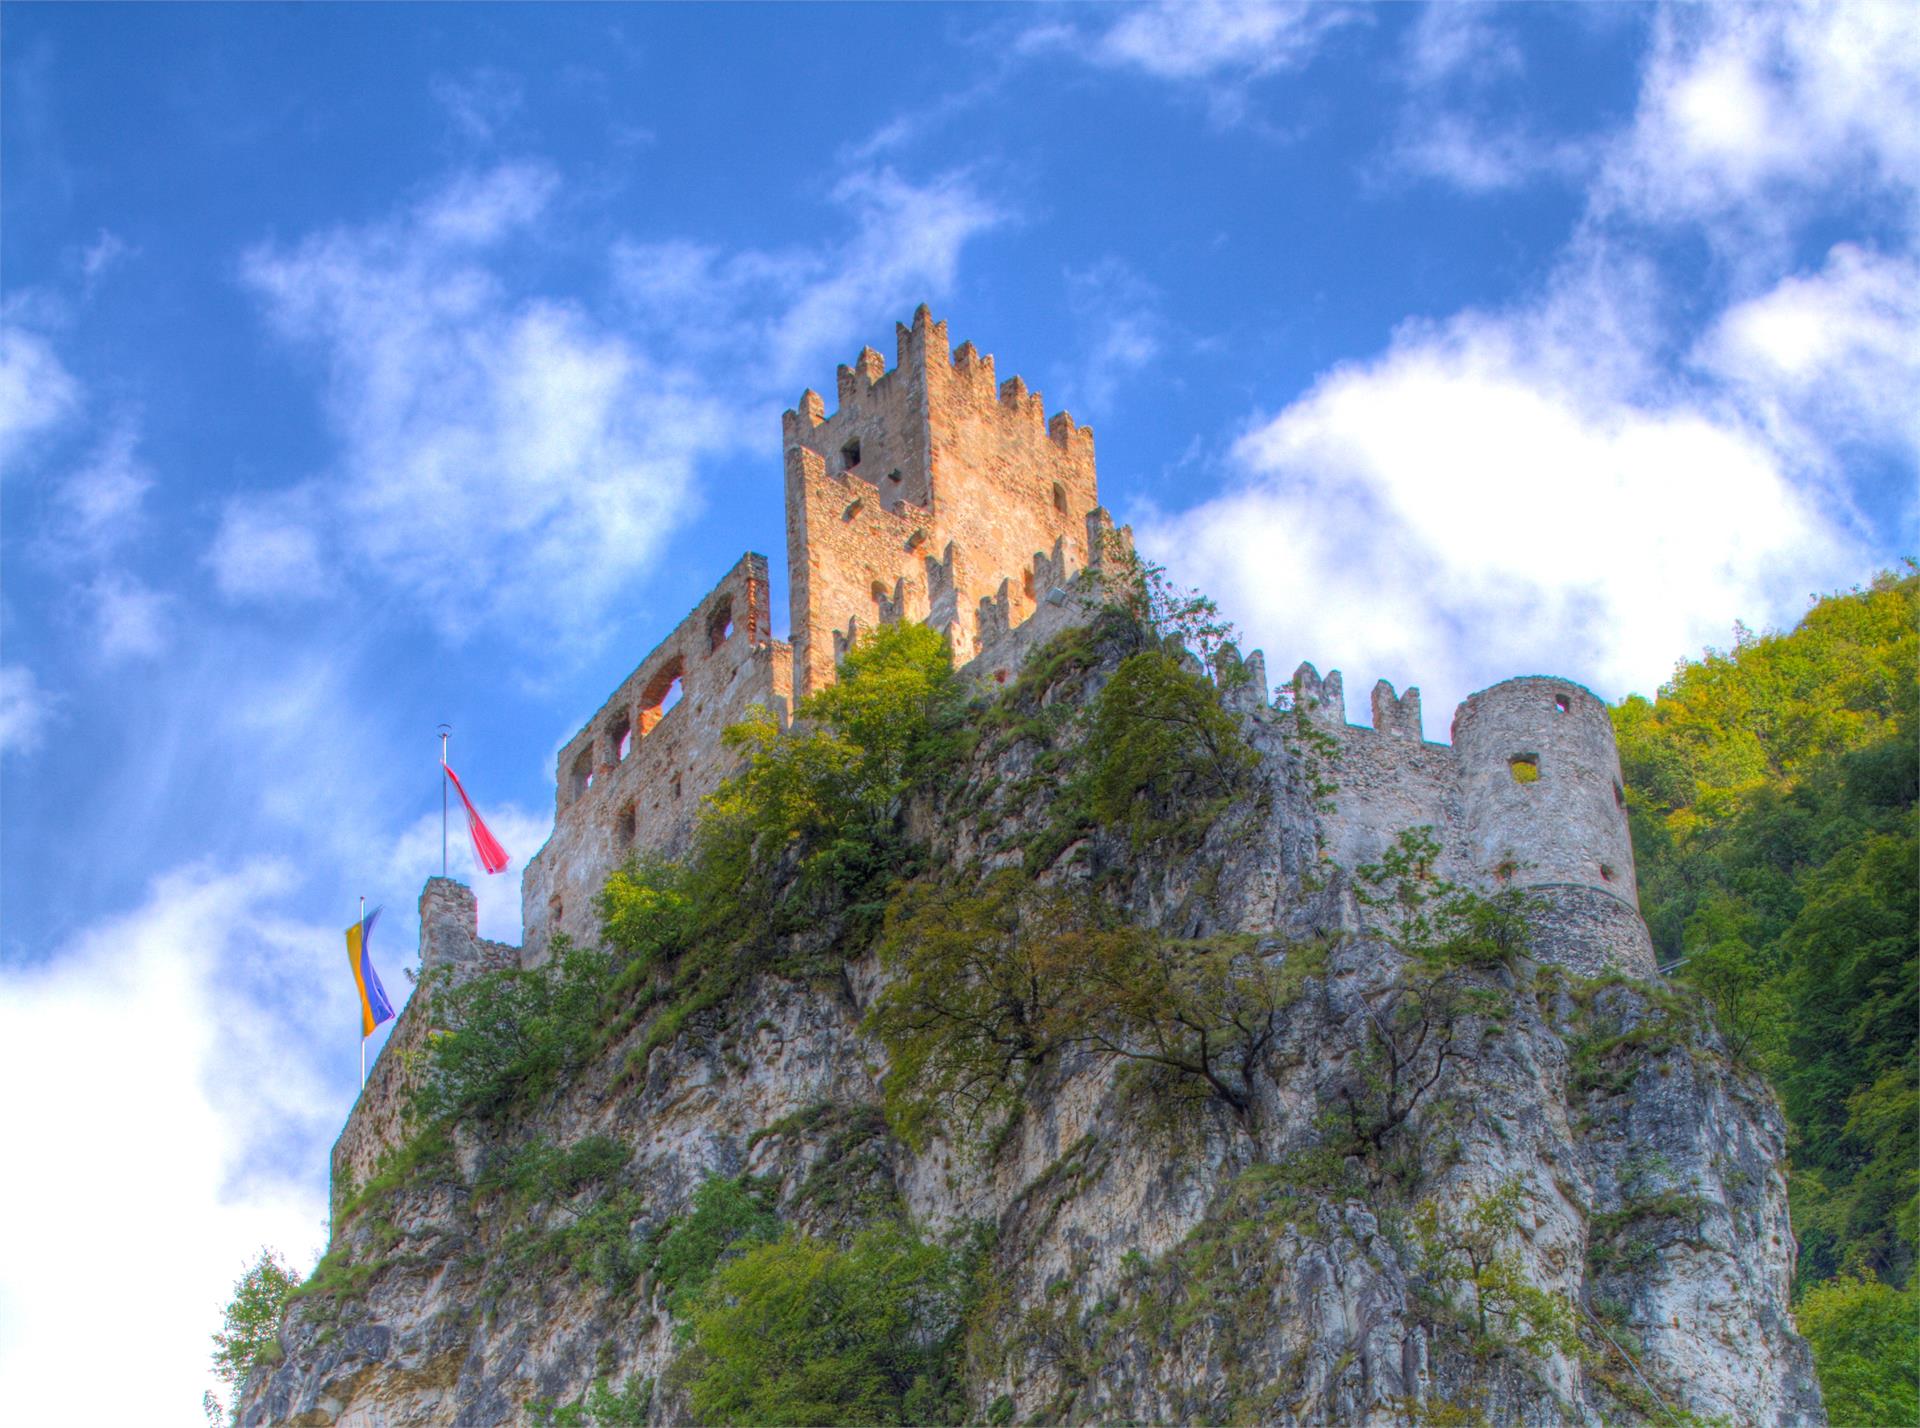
x,y
249,1334
995,981
1774,797
728,1216
1161,739
801,1332
1866,1345
1470,1249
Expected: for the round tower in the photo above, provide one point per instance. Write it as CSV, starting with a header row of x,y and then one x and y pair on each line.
x,y
1546,811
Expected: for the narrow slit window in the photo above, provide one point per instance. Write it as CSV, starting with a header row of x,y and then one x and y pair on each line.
x,y
1059,498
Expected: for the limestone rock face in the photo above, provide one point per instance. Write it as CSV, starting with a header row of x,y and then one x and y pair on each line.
x,y
1190,1265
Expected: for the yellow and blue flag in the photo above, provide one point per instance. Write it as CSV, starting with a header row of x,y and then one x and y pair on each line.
x,y
374,1006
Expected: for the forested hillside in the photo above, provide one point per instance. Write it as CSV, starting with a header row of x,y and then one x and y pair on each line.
x,y
1772,790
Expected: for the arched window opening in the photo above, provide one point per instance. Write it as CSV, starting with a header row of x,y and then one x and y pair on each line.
x,y
720,625
660,696
626,827
620,736
580,776
1562,703
1059,498
1525,768
850,456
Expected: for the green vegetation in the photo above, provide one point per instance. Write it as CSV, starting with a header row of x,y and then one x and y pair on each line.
x,y
997,980
798,1331
249,1333
1772,791
728,1217
1431,1015
1162,741
1866,1344
599,1407
1468,1249
508,1037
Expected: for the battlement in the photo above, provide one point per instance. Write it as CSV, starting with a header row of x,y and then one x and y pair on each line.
x,y
932,493
1527,796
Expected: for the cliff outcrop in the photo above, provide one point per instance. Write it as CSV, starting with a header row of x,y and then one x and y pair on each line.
x,y
1447,1152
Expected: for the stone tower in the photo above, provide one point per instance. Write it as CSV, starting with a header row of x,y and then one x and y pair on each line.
x,y
934,494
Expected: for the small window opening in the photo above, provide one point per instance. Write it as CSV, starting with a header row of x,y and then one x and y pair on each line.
x,y
852,510
1524,767
1059,498
625,827
659,697
1562,703
720,625
1619,795
580,776
675,786
620,736
1026,584
850,456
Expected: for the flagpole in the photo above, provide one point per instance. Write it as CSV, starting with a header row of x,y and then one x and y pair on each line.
x,y
363,953
445,730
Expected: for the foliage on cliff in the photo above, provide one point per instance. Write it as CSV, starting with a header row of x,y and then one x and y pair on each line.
x,y
1772,790
249,1330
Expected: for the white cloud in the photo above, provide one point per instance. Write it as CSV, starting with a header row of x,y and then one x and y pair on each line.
x,y
159,1076
1747,110
1829,357
106,252
502,457
1200,39
1121,331
97,507
1503,494
1460,42
798,306
1479,155
25,710
131,620
269,547
480,104
37,393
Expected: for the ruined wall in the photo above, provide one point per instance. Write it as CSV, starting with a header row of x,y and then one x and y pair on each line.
x,y
1528,796
932,494
634,776
451,951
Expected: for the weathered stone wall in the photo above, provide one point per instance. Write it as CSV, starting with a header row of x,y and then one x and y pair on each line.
x,y
633,778
1528,796
451,951
931,494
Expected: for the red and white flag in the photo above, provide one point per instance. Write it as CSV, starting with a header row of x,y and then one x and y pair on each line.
x,y
486,847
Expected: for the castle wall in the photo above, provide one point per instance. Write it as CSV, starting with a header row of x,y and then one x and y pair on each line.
x,y
1528,796
963,503
451,951
633,777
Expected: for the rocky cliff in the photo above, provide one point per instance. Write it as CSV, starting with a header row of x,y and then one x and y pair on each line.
x,y
1496,1189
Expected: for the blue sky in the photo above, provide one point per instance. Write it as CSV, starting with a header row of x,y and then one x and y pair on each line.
x,y
367,367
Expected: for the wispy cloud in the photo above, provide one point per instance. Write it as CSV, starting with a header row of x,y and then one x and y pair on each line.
x,y
37,392
501,456
25,710
1747,112
194,993
1530,475
801,304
